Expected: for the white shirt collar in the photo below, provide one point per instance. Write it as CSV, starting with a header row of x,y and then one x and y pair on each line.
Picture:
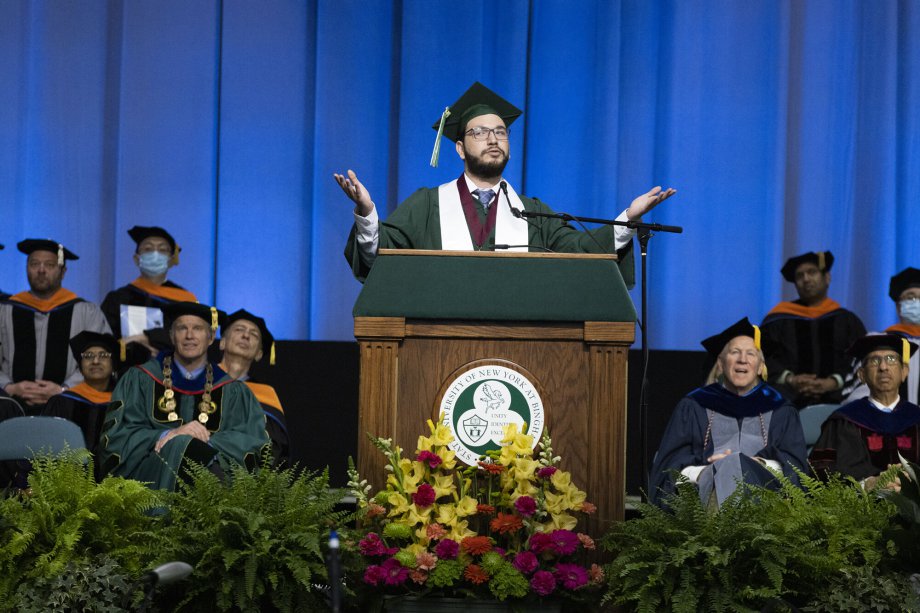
x,y
886,408
473,187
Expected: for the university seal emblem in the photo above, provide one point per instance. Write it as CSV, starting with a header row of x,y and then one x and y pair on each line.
x,y
481,398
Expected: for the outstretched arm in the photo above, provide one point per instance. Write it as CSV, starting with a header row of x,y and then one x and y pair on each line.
x,y
648,201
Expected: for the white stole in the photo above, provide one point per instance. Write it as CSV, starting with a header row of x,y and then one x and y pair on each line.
x,y
455,234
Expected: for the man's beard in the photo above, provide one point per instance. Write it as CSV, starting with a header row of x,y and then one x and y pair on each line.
x,y
486,170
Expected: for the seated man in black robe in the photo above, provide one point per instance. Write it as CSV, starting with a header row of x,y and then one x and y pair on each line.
x,y
807,339
866,436
244,339
738,429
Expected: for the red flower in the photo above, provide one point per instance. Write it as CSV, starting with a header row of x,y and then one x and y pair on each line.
x,y
526,506
492,468
485,509
424,496
476,545
418,576
540,542
475,574
373,545
506,523
546,472
432,459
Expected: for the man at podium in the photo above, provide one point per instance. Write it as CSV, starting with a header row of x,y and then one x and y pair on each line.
x,y
479,210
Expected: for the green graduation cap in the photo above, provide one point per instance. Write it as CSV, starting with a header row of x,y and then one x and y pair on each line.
x,y
477,100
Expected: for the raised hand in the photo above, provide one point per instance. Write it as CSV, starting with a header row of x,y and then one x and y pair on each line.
x,y
648,201
356,192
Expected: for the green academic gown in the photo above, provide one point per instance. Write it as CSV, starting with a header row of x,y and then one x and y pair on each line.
x,y
135,423
416,224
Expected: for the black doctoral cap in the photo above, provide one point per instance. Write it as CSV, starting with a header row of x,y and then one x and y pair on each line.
x,y
477,100
31,245
862,347
139,233
904,280
822,259
716,343
86,339
211,315
268,341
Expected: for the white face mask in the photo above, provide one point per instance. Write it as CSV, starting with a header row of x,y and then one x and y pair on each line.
x,y
153,263
910,310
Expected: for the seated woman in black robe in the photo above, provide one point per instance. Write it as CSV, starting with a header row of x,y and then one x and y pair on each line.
x,y
85,404
737,429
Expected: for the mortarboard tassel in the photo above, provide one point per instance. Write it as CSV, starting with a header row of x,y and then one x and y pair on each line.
x,y
822,266
60,254
436,153
122,350
756,336
213,318
271,355
905,351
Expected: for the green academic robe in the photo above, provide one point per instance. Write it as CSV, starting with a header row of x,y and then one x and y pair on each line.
x,y
135,423
416,224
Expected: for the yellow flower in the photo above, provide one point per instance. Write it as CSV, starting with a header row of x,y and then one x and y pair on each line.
x,y
448,459
523,488
563,521
443,485
398,503
466,507
417,516
460,531
524,468
447,515
440,434
518,442
561,479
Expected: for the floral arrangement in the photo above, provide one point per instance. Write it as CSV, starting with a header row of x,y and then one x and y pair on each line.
x,y
505,527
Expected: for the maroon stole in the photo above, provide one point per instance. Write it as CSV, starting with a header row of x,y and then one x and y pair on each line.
x,y
478,232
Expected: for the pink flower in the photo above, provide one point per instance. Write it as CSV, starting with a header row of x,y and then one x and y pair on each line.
x,y
418,575
546,472
435,531
586,541
374,575
526,562
540,542
423,496
571,576
373,545
447,549
565,542
543,582
394,572
526,506
596,573
432,459
426,560
374,509
588,507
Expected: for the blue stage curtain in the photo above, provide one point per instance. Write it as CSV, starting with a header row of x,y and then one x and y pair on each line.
x,y
786,127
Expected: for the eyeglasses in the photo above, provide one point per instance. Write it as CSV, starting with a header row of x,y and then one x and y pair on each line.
x,y
89,356
876,360
482,133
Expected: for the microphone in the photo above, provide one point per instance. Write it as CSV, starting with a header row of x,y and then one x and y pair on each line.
x,y
334,569
514,211
168,573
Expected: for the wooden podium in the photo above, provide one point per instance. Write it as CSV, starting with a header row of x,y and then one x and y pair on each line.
x,y
565,319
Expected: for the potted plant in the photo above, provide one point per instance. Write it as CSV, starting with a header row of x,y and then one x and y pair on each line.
x,y
501,535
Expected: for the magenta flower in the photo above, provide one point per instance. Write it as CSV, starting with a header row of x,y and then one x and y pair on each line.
x,y
447,549
394,572
571,576
540,542
546,472
526,562
432,459
564,542
374,575
543,582
526,506
423,496
373,545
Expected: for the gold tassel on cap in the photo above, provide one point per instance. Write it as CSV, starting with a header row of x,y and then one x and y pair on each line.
x,y
756,336
822,265
271,355
122,350
437,143
213,318
905,351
